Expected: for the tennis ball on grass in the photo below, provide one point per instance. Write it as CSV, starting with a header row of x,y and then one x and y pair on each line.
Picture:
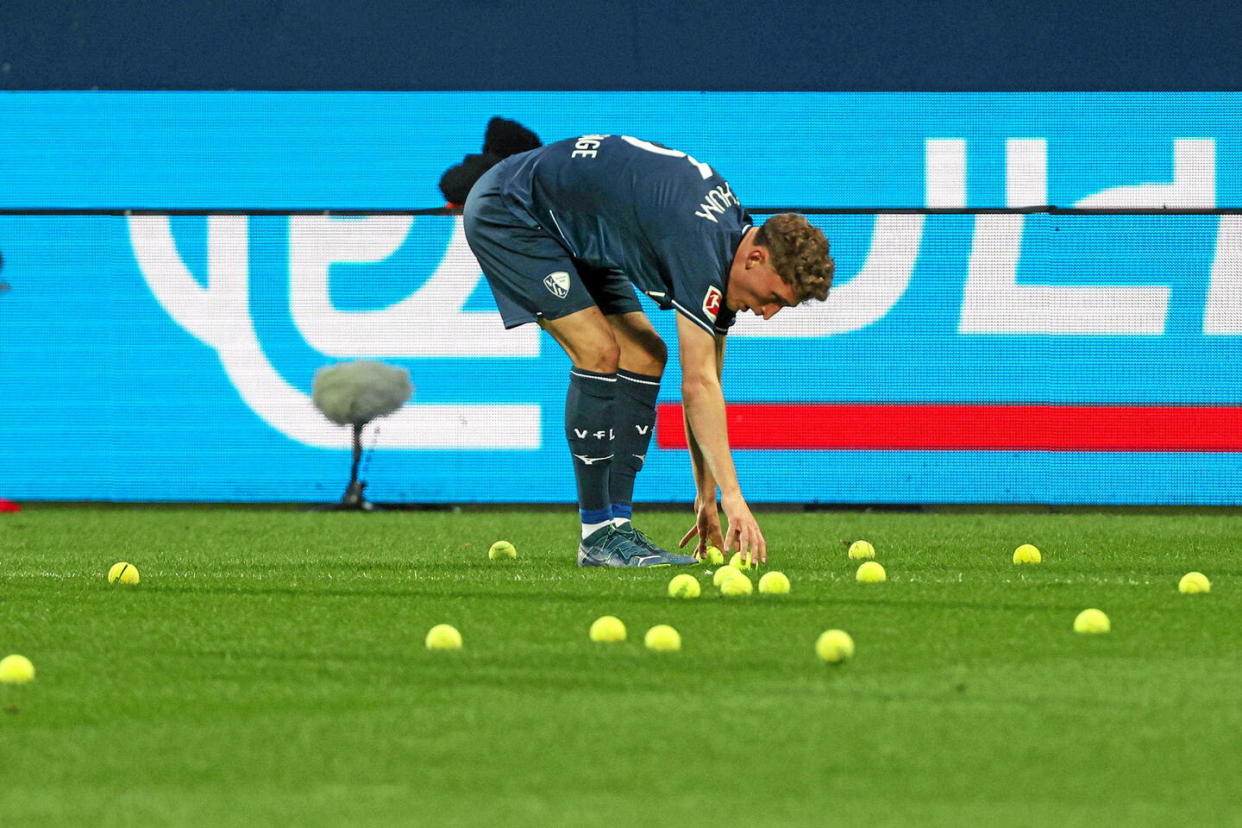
x,y
501,549
1091,621
736,586
871,572
861,549
722,573
16,669
714,556
443,637
607,629
125,573
835,646
663,638
738,561
1027,554
1193,583
774,583
684,586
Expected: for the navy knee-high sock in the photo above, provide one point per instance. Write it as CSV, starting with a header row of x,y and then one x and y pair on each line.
x,y
589,428
635,423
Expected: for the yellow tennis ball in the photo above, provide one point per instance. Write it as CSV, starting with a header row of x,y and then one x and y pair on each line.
x,y
774,583
738,562
684,586
443,637
835,646
501,549
1027,554
871,572
125,573
714,556
736,586
1091,621
607,629
861,549
662,638
1194,583
16,669
722,573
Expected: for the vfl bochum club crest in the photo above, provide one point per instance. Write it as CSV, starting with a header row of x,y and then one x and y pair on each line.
x,y
557,283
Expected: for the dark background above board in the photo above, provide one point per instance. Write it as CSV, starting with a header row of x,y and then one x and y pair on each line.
x,y
640,44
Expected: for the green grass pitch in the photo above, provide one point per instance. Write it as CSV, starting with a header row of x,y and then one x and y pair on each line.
x,y
270,669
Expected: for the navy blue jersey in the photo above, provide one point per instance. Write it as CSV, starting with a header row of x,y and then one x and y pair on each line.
x,y
668,222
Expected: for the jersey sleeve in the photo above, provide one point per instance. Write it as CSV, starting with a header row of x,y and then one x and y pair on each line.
x,y
695,266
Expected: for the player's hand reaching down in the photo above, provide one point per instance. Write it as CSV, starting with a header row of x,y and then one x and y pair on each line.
x,y
743,536
706,528
743,533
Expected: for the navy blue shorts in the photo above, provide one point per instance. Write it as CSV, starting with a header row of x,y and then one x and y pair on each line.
x,y
531,274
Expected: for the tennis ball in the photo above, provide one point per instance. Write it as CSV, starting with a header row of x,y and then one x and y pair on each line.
x,y
126,573
774,583
861,549
736,586
443,637
714,556
871,572
607,629
684,586
663,638
16,669
835,646
1027,554
1091,621
738,562
722,573
501,549
1193,583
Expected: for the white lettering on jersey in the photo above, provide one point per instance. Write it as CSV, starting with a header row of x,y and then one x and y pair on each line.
x,y
716,202
704,170
587,146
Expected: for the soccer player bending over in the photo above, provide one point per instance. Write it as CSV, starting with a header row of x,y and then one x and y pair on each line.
x,y
562,234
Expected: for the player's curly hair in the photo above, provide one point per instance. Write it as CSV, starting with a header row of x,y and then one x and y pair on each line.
x,y
799,253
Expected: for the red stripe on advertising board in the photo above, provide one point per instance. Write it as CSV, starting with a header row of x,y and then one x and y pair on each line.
x,y
956,427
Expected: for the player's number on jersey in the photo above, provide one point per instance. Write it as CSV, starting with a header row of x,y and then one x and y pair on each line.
x,y
704,169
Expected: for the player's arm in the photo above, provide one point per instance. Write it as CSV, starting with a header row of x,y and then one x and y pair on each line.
x,y
703,401
706,510
704,482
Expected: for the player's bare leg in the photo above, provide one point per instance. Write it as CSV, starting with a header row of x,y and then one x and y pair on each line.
x,y
641,349
587,339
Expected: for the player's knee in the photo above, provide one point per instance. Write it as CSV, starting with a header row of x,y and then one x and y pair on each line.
x,y
646,354
642,350
607,357
602,356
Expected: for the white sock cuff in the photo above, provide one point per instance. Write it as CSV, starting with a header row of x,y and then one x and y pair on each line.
x,y
589,529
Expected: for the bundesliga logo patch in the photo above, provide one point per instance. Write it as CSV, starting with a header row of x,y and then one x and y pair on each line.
x,y
557,283
711,302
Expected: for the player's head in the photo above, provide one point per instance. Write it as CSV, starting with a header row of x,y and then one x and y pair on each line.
x,y
783,263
